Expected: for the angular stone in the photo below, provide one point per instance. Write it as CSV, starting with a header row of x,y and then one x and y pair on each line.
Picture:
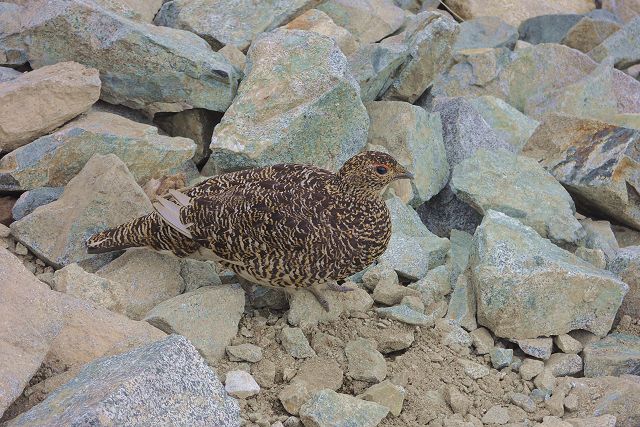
x,y
501,357
457,401
600,236
380,275
328,408
523,401
306,312
561,364
241,384
222,23
547,28
319,22
375,65
621,47
140,387
368,20
30,200
527,287
7,74
513,11
626,10
295,343
537,347
519,187
458,259
60,91
588,33
595,257
138,10
601,421
545,381
567,344
626,265
474,370
386,394
496,415
104,194
389,343
234,56
486,31
430,38
293,396
244,352
482,340
52,160
530,368
509,124
462,305
218,310
190,74
389,293
615,355
414,138
453,335
594,160
311,111
365,362
404,314
445,212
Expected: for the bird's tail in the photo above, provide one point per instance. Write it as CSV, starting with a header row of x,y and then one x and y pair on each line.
x,y
135,233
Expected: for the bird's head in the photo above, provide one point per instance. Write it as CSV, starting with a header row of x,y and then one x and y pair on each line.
x,y
372,171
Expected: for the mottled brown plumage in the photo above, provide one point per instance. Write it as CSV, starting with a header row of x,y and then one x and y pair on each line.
x,y
290,225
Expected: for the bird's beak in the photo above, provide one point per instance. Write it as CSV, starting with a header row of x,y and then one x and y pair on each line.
x,y
404,174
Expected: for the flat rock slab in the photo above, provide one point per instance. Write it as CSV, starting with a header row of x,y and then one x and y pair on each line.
x,y
60,92
615,355
527,287
327,408
165,383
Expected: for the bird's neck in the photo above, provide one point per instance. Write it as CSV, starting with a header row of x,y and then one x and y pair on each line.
x,y
353,188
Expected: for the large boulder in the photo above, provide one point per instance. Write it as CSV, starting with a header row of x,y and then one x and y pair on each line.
x,y
519,187
328,408
626,264
375,66
485,31
414,138
141,66
165,383
53,160
622,47
596,161
60,92
368,20
615,355
298,103
104,194
589,32
138,10
235,23
527,287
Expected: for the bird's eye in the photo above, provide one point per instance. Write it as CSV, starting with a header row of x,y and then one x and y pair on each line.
x,y
381,170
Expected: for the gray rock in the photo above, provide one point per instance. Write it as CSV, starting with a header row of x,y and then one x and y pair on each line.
x,y
140,388
244,352
523,401
561,364
626,265
462,305
567,344
241,384
365,362
218,310
7,74
590,159
452,335
390,292
405,314
620,47
430,37
319,22
623,10
600,236
615,355
519,187
315,374
589,32
474,370
375,66
103,195
318,105
30,200
389,343
461,243
190,74
482,340
486,31
223,23
52,160
501,357
386,394
527,287
368,20
595,257
295,343
547,28
530,368
445,212
496,415
414,138
328,408
537,347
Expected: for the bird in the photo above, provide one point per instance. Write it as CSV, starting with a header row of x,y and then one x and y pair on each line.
x,y
289,226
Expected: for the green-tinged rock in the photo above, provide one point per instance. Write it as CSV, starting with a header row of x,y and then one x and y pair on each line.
x,y
596,162
298,103
141,66
461,243
244,352
519,187
501,357
626,264
614,355
561,364
53,160
537,347
485,31
547,28
430,38
140,388
509,124
589,32
375,65
138,10
462,305
235,23
104,194
368,20
625,10
365,362
216,308
319,22
327,409
405,314
7,74
413,249
527,287
295,343
414,138
621,47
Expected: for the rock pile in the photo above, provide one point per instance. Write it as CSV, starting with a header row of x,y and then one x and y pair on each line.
x,y
509,294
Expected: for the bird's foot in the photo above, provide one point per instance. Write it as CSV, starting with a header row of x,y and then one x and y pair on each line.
x,y
339,288
321,299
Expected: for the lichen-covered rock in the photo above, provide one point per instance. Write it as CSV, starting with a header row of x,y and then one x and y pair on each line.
x,y
589,32
537,347
626,264
519,187
104,194
319,22
597,162
414,138
52,160
485,31
547,28
57,94
235,22
368,20
30,200
375,65
527,287
366,363
327,408
614,355
462,305
621,47
625,10
134,59
310,112
138,10
140,388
